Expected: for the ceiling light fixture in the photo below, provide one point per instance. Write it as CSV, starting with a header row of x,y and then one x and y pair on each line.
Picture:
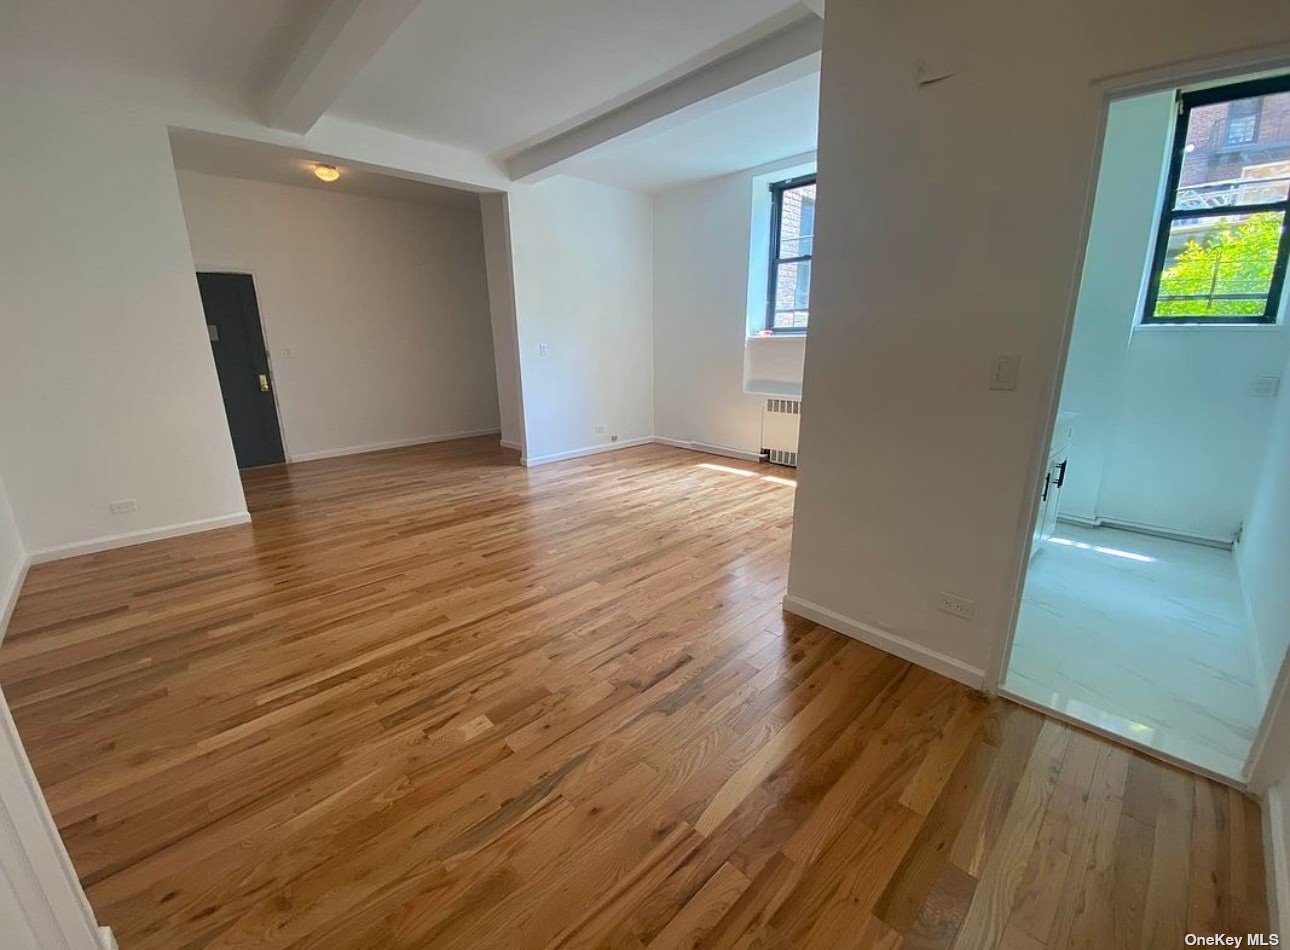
x,y
326,172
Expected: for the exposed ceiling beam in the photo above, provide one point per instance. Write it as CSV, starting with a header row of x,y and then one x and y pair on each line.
x,y
346,37
771,54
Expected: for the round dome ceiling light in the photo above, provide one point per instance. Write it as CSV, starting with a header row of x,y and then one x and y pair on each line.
x,y
326,172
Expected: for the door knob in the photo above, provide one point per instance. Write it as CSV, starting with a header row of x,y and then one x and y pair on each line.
x,y
264,383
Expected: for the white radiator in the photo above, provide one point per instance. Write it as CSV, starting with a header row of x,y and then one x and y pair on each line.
x,y
779,425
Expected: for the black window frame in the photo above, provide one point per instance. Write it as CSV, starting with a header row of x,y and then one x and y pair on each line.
x,y
777,190
1187,101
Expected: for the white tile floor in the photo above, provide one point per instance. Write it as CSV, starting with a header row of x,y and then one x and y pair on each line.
x,y
1141,636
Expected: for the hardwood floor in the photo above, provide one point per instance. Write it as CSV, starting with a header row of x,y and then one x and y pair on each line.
x,y
432,699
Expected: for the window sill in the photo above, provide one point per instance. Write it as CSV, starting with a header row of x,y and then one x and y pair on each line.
x,y
773,388
1206,328
757,338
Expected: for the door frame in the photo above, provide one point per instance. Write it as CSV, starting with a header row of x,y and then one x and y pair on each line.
x,y
242,270
1102,91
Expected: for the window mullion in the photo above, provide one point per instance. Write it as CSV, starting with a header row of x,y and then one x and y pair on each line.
x,y
1263,208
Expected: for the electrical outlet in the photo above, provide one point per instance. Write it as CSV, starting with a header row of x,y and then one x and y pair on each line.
x,y
1265,387
544,350
956,604
123,507
613,438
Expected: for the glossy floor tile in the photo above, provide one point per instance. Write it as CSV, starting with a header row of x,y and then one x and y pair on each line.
x,y
1143,637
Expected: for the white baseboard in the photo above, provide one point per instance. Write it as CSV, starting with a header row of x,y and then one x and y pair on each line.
x,y
705,448
1154,530
107,939
397,444
1080,520
77,548
888,642
9,593
514,446
580,453
1276,826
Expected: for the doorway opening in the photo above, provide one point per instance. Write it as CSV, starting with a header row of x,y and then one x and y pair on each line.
x,y
242,363
1154,606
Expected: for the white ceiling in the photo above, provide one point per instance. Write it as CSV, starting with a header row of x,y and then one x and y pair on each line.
x,y
764,128
238,158
492,75
220,47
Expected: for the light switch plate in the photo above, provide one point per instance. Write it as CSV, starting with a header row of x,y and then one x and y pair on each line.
x,y
1004,372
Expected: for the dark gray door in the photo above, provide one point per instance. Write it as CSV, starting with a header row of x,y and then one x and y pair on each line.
x,y
237,341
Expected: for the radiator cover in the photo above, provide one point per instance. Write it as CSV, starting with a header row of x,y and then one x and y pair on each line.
x,y
780,420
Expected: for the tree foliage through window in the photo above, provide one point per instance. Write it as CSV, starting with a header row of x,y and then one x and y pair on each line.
x,y
1208,278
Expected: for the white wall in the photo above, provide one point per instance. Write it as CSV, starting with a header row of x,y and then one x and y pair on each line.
x,y
701,235
582,257
950,229
13,561
1261,559
501,305
711,241
375,311
107,388
1121,233
1263,555
1190,437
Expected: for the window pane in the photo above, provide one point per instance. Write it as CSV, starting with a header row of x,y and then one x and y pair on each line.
x,y
1237,153
793,286
1219,267
797,221
791,320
